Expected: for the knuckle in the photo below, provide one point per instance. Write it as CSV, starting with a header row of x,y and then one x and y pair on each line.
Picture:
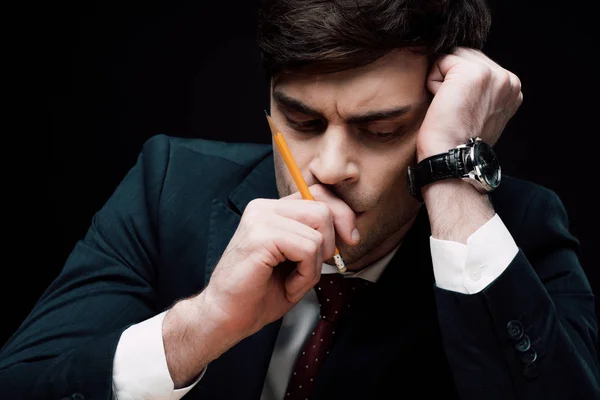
x,y
482,72
505,80
311,247
256,209
254,203
319,239
324,211
253,208
516,82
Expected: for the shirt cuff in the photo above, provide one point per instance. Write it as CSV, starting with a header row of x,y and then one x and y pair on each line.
x,y
140,368
470,268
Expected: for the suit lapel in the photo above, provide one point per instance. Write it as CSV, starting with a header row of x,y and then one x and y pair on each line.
x,y
225,217
245,364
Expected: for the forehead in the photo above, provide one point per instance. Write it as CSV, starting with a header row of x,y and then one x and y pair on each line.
x,y
396,79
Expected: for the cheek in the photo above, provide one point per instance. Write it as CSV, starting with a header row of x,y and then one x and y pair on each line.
x,y
387,173
283,179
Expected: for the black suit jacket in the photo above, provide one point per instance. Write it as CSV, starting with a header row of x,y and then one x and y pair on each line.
x,y
160,235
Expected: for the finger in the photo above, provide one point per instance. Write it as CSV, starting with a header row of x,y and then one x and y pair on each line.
x,y
477,56
325,238
518,102
515,97
344,218
515,84
308,215
482,65
297,284
441,67
309,262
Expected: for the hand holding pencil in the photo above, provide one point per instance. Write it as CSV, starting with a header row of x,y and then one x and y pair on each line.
x,y
272,260
298,179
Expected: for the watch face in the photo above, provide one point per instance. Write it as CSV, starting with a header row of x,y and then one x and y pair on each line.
x,y
487,164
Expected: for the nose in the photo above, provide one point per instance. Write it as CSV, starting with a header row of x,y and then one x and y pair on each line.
x,y
334,158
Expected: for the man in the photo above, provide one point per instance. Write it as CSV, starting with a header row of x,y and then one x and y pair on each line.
x,y
201,276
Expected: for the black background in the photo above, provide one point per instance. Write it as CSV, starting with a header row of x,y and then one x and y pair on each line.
x,y
86,83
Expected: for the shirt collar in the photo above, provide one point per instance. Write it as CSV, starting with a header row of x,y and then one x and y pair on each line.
x,y
370,273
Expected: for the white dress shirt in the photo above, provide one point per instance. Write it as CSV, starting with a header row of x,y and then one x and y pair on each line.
x,y
140,367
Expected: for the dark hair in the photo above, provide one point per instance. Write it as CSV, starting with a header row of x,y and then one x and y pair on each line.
x,y
322,36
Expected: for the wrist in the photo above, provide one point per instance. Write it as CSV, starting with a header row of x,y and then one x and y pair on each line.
x,y
474,161
434,148
456,209
192,338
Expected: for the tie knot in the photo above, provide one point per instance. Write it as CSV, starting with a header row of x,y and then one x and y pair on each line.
x,y
336,292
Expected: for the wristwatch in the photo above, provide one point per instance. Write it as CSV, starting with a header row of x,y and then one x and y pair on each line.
x,y
475,162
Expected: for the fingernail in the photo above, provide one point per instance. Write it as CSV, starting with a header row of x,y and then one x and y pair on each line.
x,y
355,235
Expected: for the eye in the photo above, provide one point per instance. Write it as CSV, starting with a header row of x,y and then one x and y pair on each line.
x,y
315,125
383,136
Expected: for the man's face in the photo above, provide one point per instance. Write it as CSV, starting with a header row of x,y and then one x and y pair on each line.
x,y
355,132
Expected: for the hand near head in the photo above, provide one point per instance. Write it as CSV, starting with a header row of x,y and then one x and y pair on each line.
x,y
473,96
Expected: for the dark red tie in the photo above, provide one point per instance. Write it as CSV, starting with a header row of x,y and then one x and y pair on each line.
x,y
335,294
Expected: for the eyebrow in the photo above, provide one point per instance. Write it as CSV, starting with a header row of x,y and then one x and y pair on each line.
x,y
297,105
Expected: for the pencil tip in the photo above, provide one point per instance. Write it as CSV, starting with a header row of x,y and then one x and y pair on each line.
x,y
271,124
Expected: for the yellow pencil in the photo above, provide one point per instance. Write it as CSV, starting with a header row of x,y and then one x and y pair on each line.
x,y
295,172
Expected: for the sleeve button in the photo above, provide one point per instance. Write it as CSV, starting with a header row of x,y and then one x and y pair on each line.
x,y
515,329
530,370
523,344
529,356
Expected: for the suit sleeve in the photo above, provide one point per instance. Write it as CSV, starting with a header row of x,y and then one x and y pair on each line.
x,y
532,333
67,343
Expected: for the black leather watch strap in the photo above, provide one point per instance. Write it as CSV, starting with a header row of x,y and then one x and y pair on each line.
x,y
435,168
